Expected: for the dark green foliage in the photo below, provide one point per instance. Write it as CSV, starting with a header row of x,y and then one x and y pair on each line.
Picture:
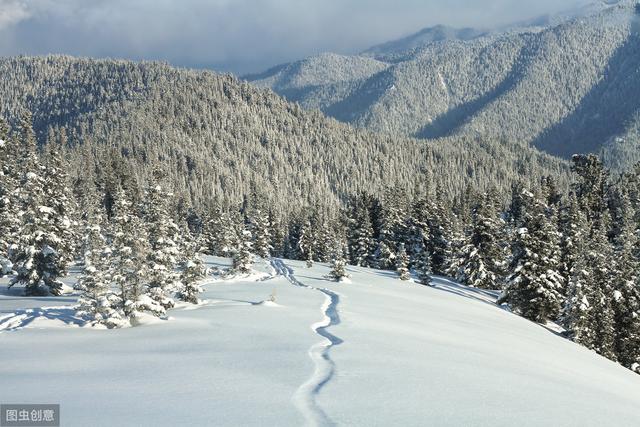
x,y
534,285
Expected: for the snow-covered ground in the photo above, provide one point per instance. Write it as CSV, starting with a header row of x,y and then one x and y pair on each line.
x,y
373,352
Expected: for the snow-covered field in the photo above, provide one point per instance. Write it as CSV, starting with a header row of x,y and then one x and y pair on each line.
x,y
373,352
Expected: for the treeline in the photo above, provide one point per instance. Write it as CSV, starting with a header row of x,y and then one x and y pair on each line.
x,y
564,255
570,257
135,257
216,137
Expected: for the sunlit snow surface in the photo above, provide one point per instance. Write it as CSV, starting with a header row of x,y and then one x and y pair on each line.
x,y
380,352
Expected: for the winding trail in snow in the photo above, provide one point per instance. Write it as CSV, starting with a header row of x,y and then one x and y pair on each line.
x,y
305,396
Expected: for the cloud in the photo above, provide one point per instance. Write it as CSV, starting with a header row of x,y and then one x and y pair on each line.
x,y
237,35
12,12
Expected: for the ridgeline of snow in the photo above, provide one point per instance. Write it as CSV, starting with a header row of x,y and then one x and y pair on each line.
x,y
565,83
409,355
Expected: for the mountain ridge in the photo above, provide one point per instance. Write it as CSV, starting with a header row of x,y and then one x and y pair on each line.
x,y
538,85
218,138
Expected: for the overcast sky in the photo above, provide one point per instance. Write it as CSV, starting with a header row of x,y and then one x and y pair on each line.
x,y
237,35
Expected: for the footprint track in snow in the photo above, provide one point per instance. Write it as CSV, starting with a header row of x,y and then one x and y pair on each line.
x,y
325,368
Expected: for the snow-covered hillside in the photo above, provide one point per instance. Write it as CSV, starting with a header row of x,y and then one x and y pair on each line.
x,y
375,351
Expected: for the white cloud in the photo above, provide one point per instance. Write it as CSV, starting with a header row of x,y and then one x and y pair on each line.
x,y
12,12
238,35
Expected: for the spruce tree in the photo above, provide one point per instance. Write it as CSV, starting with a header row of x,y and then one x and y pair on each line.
x,y
98,303
164,250
394,217
385,258
218,233
626,296
402,263
360,234
480,262
193,271
128,267
575,230
577,312
278,236
534,285
423,265
440,234
338,267
242,257
306,243
61,198
261,232
9,219
37,260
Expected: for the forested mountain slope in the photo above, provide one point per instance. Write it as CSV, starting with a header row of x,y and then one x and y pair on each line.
x,y
571,86
218,137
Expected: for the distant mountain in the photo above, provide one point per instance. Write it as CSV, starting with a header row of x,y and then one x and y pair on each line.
x,y
218,139
426,36
566,84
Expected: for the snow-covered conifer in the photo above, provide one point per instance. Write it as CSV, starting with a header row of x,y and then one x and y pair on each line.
x,y
128,268
422,265
360,234
306,243
37,260
192,273
385,258
577,312
242,255
261,232
481,261
164,250
60,198
626,277
338,268
534,284
402,263
9,221
218,233
98,303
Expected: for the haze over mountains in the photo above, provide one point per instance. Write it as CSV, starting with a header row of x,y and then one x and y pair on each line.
x,y
566,83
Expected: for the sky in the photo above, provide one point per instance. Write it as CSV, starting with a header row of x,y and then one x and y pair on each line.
x,y
239,36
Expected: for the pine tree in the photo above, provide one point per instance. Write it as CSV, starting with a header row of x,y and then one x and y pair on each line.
x,y
481,259
385,258
575,229
626,296
261,232
98,303
423,265
534,284
218,234
128,267
402,264
193,271
360,234
8,210
306,243
338,268
577,311
164,249
61,199
242,257
601,292
440,235
37,261
279,235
